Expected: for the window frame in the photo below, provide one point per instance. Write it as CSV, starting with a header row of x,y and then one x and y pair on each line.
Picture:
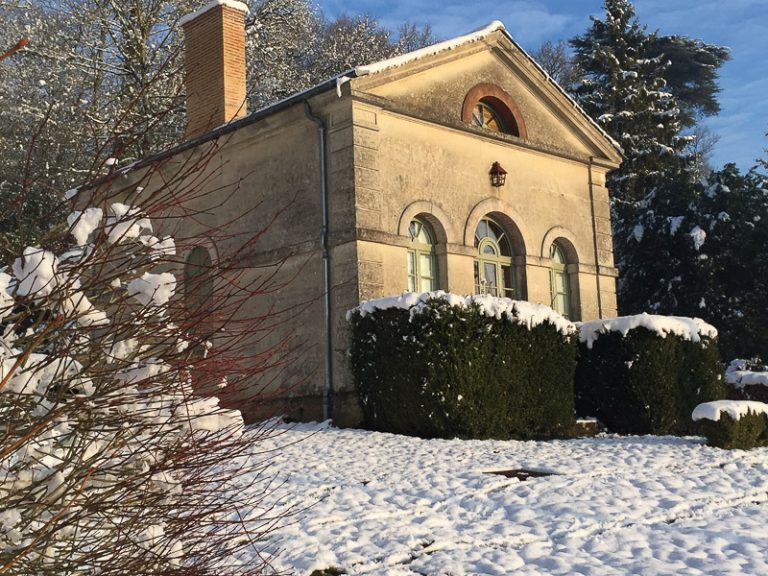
x,y
502,103
480,120
418,249
505,274
559,269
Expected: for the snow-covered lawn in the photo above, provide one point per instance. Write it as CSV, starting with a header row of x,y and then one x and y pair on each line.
x,y
371,503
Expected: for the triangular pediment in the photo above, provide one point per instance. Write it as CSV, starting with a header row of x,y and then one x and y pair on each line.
x,y
433,86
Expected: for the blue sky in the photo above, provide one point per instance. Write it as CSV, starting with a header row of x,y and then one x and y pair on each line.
x,y
742,25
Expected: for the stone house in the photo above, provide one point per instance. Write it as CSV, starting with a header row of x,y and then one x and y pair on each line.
x,y
460,167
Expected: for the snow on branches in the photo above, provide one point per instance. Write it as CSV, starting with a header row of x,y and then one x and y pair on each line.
x,y
110,463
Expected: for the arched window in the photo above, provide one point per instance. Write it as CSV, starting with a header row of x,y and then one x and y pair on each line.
x,y
422,263
488,106
198,286
494,270
485,116
559,282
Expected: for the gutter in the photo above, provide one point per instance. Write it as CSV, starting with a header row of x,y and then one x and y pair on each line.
x,y
252,118
595,245
328,386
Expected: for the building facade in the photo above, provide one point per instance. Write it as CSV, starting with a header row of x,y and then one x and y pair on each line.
x,y
460,167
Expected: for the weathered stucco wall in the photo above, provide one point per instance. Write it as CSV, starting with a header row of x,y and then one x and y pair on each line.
x,y
398,149
441,174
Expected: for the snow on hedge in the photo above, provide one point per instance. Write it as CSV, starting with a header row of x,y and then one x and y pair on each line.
x,y
687,328
738,375
516,311
733,408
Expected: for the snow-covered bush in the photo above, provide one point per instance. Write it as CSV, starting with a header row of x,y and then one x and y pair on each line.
x,y
645,374
441,365
747,380
733,423
109,462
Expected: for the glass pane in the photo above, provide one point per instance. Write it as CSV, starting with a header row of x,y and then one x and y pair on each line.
x,y
494,231
509,281
558,256
485,116
561,304
425,265
477,116
411,271
427,284
561,283
478,286
489,275
489,249
481,231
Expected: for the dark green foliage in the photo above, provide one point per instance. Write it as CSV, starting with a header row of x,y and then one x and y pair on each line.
x,y
624,90
328,572
642,383
664,271
450,371
692,74
749,431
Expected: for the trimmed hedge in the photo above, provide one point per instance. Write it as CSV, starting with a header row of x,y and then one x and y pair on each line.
x,y
442,367
643,380
747,380
748,431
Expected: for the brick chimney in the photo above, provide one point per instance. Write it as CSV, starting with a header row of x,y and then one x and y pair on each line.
x,y
214,51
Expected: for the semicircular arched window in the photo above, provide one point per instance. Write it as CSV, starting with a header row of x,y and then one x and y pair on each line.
x,y
559,281
485,116
422,260
489,107
494,267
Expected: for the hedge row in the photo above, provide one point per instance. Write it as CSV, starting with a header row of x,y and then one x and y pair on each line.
x,y
645,374
436,365
733,424
439,365
747,380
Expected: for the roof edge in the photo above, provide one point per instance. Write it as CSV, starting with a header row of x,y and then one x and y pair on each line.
x,y
397,61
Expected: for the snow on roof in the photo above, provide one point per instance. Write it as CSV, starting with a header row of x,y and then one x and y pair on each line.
x,y
398,61
478,34
234,4
687,328
339,79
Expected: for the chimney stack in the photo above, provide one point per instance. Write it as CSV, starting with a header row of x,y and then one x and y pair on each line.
x,y
214,52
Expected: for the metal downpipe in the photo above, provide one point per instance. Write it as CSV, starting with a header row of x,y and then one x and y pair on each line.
x,y
328,386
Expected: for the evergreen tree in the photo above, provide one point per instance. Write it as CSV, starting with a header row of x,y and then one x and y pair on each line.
x,y
684,245
625,91
692,74
699,250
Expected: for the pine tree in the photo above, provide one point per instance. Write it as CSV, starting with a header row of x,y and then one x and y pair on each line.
x,y
699,250
691,74
625,91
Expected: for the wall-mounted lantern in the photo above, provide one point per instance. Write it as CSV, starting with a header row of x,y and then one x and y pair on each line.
x,y
498,175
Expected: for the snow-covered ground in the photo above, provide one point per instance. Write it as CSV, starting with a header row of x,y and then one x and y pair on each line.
x,y
371,503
